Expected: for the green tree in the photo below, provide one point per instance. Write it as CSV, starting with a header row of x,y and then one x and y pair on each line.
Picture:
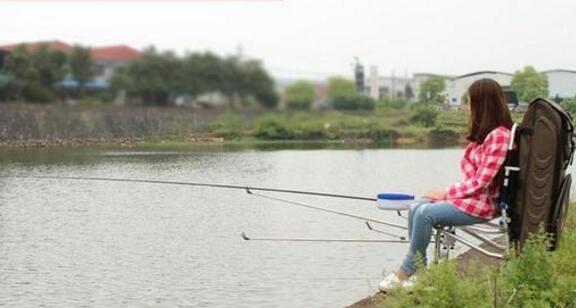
x,y
51,66
81,66
157,77
339,87
529,84
408,92
464,98
153,78
300,95
432,91
570,105
256,83
19,71
34,75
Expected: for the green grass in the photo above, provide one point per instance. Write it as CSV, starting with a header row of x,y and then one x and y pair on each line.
x,y
535,278
380,126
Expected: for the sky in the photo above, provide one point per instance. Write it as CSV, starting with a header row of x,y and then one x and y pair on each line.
x,y
314,39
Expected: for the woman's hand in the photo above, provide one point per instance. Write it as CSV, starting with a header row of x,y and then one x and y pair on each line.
x,y
435,193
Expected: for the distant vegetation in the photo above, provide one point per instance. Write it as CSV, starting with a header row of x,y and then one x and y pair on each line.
x,y
251,110
383,125
570,105
343,95
529,84
158,77
430,100
431,91
300,95
35,75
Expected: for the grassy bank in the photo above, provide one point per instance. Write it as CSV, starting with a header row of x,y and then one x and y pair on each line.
x,y
45,125
380,126
536,278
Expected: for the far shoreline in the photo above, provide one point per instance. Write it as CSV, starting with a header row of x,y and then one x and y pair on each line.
x,y
411,142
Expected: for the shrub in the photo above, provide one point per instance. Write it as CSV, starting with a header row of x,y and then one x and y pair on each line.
x,y
424,115
341,87
273,129
300,96
393,103
382,134
357,102
570,105
443,133
227,125
268,99
532,275
444,286
536,277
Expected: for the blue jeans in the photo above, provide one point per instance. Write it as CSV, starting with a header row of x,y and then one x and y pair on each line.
x,y
422,217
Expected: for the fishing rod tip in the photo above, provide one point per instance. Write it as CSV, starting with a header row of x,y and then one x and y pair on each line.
x,y
243,235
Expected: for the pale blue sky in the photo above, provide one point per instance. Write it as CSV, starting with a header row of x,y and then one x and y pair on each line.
x,y
314,38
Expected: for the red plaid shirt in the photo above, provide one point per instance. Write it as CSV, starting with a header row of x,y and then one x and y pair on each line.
x,y
478,193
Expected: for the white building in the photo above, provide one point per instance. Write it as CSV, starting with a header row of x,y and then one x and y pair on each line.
x,y
397,86
561,83
393,86
374,83
457,86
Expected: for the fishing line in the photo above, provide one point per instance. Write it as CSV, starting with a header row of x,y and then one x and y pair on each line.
x,y
327,210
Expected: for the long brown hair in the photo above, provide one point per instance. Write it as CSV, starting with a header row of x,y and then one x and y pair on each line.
x,y
488,109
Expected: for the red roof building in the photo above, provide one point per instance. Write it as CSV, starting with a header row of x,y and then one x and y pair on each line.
x,y
117,53
52,45
107,59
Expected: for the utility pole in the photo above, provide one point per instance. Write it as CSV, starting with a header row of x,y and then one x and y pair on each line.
x,y
359,76
393,90
240,52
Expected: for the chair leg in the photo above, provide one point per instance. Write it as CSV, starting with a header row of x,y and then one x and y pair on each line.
x,y
437,246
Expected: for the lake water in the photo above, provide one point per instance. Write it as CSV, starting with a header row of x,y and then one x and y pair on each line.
x,y
103,244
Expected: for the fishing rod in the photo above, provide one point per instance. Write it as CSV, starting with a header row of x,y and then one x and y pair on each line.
x,y
250,190
246,238
247,188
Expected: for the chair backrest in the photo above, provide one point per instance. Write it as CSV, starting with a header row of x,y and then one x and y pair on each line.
x,y
538,194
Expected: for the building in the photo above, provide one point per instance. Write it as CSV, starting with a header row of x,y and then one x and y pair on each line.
x,y
457,86
106,59
109,58
396,86
561,83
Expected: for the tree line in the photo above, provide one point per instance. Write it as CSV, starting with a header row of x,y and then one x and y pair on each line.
x,y
36,75
158,78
